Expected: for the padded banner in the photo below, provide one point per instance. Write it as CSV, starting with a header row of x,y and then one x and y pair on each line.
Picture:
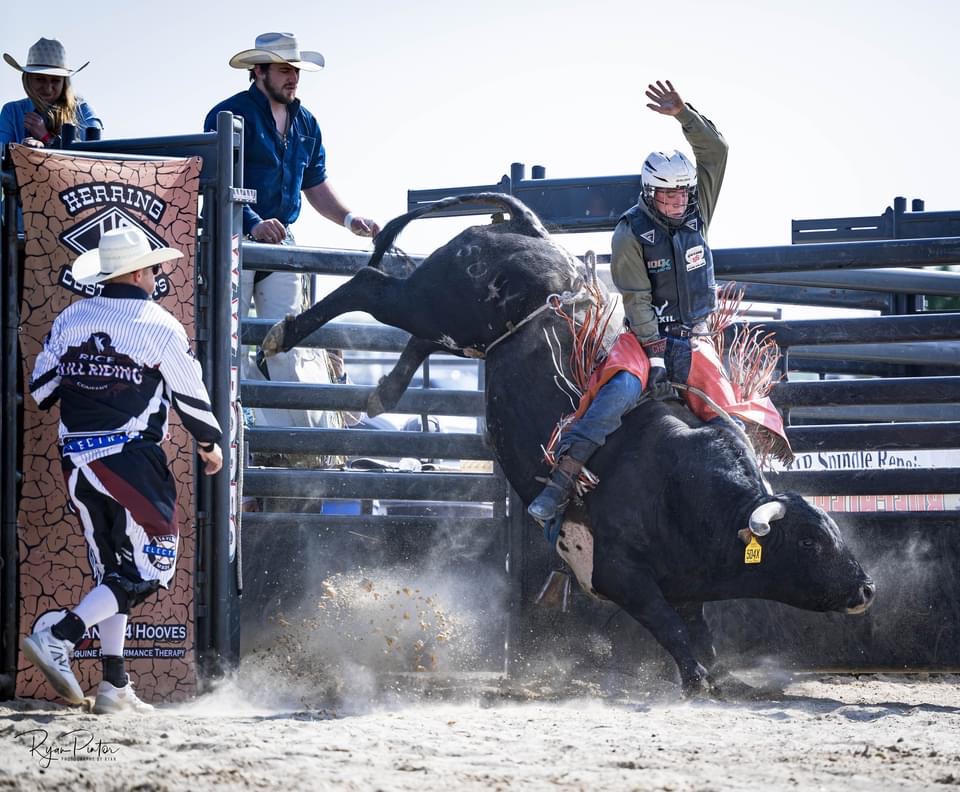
x,y
68,202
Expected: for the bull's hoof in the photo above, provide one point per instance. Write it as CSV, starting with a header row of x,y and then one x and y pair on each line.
x,y
384,397
261,361
273,341
726,686
696,684
729,687
375,405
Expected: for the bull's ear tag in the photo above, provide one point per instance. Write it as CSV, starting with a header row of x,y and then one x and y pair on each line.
x,y
753,551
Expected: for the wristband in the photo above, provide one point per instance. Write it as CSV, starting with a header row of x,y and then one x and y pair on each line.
x,y
206,447
348,221
657,362
657,347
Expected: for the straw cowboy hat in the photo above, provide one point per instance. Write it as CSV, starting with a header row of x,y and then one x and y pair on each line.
x,y
47,56
121,250
277,48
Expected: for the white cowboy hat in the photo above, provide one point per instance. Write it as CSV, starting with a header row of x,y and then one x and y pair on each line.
x,y
47,56
121,250
277,48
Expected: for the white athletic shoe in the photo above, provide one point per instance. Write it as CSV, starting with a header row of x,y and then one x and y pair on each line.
x,y
123,699
52,656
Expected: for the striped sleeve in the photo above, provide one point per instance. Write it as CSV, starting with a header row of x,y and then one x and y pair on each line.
x,y
184,378
45,383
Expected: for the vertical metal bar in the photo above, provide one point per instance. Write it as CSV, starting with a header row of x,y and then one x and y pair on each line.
x,y
502,555
512,515
518,172
482,387
515,565
9,465
424,417
238,449
224,616
206,267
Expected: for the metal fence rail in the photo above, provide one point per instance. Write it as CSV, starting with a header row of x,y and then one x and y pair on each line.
x,y
354,397
368,443
902,390
894,338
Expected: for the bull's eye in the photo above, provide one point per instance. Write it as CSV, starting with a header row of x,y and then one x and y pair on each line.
x,y
808,544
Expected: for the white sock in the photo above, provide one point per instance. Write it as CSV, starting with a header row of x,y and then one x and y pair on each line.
x,y
96,606
113,631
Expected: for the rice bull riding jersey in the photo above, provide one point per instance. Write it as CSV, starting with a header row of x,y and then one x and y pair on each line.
x,y
117,362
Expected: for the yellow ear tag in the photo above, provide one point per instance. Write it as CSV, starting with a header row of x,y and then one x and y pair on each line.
x,y
753,551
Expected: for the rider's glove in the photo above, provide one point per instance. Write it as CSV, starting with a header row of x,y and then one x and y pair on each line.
x,y
658,386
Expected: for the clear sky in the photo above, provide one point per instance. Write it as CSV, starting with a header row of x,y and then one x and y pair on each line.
x,y
831,108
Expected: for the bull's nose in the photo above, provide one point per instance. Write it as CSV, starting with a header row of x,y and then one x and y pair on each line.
x,y
864,597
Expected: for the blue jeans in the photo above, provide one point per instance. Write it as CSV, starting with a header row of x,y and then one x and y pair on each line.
x,y
616,398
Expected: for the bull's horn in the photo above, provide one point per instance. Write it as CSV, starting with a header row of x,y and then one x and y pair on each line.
x,y
765,514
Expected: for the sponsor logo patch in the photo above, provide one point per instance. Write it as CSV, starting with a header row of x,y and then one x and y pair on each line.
x,y
650,236
96,366
696,258
660,265
162,552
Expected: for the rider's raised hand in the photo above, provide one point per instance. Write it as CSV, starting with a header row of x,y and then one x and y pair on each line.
x,y
664,98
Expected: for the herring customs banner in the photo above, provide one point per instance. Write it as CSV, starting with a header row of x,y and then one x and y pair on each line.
x,y
68,202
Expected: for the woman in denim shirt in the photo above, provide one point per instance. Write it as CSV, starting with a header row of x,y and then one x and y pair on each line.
x,y
38,120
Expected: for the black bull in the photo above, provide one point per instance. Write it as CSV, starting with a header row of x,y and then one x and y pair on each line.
x,y
676,500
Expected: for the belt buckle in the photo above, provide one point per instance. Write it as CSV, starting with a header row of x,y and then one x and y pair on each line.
x,y
674,329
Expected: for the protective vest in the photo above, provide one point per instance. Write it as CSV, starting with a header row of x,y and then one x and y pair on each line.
x,y
680,266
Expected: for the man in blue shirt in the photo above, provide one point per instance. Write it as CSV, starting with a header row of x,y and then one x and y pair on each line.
x,y
283,157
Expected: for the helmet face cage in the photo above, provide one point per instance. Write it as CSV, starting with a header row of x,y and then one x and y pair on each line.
x,y
668,171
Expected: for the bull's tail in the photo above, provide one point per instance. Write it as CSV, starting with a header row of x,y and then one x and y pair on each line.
x,y
523,220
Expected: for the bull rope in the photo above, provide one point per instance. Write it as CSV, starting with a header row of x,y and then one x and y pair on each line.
x,y
554,302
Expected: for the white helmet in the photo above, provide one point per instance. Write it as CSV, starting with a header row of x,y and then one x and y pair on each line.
x,y
668,170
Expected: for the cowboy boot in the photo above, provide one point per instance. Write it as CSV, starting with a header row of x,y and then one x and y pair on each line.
x,y
556,494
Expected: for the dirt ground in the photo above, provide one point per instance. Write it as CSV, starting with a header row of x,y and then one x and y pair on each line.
x,y
872,732
372,686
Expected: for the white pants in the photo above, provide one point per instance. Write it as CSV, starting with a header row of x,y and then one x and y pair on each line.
x,y
275,296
